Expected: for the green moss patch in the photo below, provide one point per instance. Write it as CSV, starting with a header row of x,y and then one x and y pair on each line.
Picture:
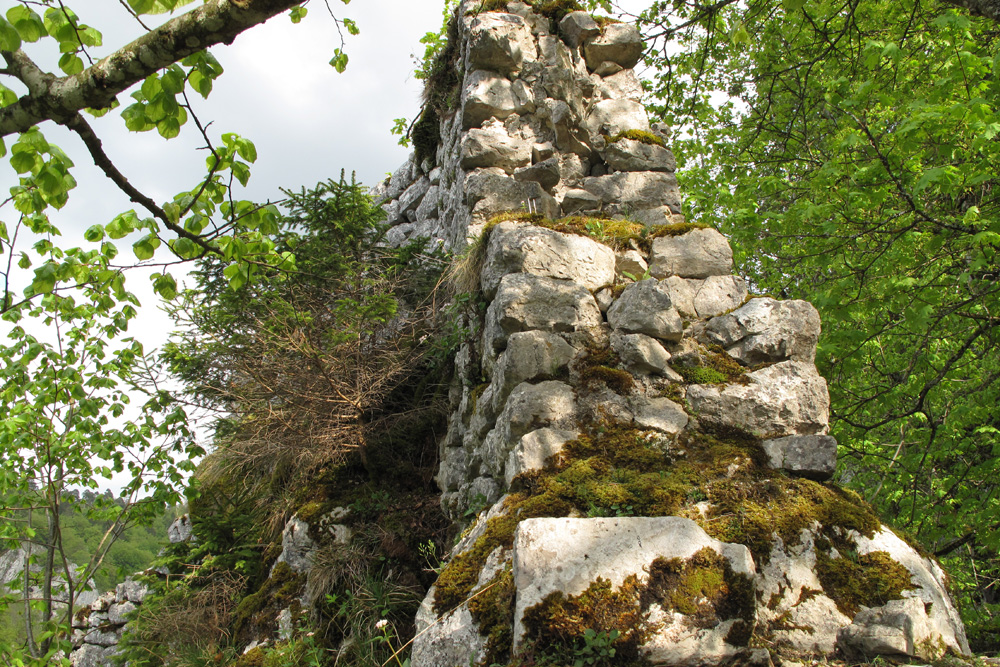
x,y
556,628
489,6
255,614
426,135
493,611
635,135
555,9
706,590
601,367
717,368
854,581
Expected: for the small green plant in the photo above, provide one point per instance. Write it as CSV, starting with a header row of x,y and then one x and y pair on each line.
x,y
597,647
429,552
476,505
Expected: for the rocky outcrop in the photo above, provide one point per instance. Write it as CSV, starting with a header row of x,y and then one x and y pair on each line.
x,y
650,444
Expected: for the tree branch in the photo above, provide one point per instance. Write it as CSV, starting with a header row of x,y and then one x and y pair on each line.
x,y
215,22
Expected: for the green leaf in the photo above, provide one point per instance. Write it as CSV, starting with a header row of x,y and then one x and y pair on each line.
x,y
45,279
297,13
339,61
23,162
10,40
94,233
71,64
27,22
169,127
146,247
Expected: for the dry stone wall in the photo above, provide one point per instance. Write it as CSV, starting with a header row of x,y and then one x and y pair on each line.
x,y
605,361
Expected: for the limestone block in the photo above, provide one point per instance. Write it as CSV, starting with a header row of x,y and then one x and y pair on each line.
x,y
118,612
520,248
621,86
645,307
296,546
630,264
697,254
626,191
931,592
452,469
898,628
542,151
499,42
486,95
659,414
530,356
608,68
787,398
401,179
576,200
609,117
90,655
530,406
630,155
570,137
98,637
532,450
493,147
766,330
451,641
706,298
430,205
578,27
546,173
790,596
619,42
640,353
813,456
410,200
719,294
131,590
491,191
559,81
525,302
180,529
567,555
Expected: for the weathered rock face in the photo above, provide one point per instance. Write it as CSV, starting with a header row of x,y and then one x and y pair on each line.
x,y
649,445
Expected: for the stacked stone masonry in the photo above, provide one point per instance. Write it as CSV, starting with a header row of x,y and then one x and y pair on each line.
x,y
543,125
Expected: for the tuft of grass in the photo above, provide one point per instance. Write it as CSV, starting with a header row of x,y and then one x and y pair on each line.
x,y
488,6
637,135
464,272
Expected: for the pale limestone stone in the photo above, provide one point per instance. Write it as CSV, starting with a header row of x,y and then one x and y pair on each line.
x,y
526,302
790,593
90,655
719,294
568,136
898,628
493,147
630,155
567,555
813,456
491,191
626,192
499,42
630,264
697,254
429,207
131,590
605,298
609,117
296,546
532,450
624,85
546,173
530,356
659,414
618,42
451,641
521,248
180,529
529,407
944,622
486,95
576,200
766,330
410,200
645,307
640,353
788,398
118,612
577,27
608,68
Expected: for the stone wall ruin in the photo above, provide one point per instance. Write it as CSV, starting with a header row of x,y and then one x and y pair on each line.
x,y
628,418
